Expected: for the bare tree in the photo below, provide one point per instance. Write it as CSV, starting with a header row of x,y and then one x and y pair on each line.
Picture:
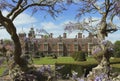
x,y
15,8
108,10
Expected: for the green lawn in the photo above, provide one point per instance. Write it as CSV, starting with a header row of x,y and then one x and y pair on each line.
x,y
50,60
115,62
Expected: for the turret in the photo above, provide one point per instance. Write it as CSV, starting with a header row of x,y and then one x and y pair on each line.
x,y
22,34
31,33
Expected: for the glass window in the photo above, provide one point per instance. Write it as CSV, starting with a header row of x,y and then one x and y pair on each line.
x,y
68,46
45,46
76,47
60,46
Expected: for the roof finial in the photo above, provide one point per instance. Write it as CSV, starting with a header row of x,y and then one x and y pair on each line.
x,y
32,26
22,28
22,31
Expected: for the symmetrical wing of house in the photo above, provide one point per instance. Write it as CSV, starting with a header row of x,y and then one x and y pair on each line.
x,y
62,46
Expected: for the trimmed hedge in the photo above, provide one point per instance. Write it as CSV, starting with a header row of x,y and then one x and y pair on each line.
x,y
79,56
81,67
67,68
64,70
115,67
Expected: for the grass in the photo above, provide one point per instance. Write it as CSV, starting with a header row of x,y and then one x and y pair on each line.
x,y
115,65
1,70
115,62
51,61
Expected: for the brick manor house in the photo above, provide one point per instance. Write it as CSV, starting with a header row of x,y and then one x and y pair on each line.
x,y
62,46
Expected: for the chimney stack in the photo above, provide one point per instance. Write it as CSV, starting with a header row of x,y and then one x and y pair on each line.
x,y
64,35
42,36
51,35
90,35
79,35
75,36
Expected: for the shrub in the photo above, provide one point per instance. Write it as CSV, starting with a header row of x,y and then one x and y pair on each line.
x,y
42,54
62,70
66,68
79,56
98,52
117,49
114,69
78,68
55,56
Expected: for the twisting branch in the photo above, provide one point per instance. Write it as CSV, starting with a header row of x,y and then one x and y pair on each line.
x,y
1,25
82,26
111,27
19,8
97,8
36,4
107,5
8,24
15,9
14,1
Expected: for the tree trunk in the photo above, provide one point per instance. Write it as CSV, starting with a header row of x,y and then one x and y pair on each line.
x,y
102,33
8,24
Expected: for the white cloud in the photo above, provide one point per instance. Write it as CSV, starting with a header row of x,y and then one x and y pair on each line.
x,y
25,20
58,29
114,36
116,21
74,33
4,34
48,25
22,19
4,12
20,30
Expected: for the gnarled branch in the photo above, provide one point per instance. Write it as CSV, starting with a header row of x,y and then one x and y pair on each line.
x,y
97,8
19,8
15,8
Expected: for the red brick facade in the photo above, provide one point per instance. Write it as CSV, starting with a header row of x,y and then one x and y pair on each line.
x,y
62,46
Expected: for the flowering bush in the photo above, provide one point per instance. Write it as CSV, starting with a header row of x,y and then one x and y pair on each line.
x,y
98,51
44,73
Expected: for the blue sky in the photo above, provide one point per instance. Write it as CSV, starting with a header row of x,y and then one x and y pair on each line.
x,y
55,26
